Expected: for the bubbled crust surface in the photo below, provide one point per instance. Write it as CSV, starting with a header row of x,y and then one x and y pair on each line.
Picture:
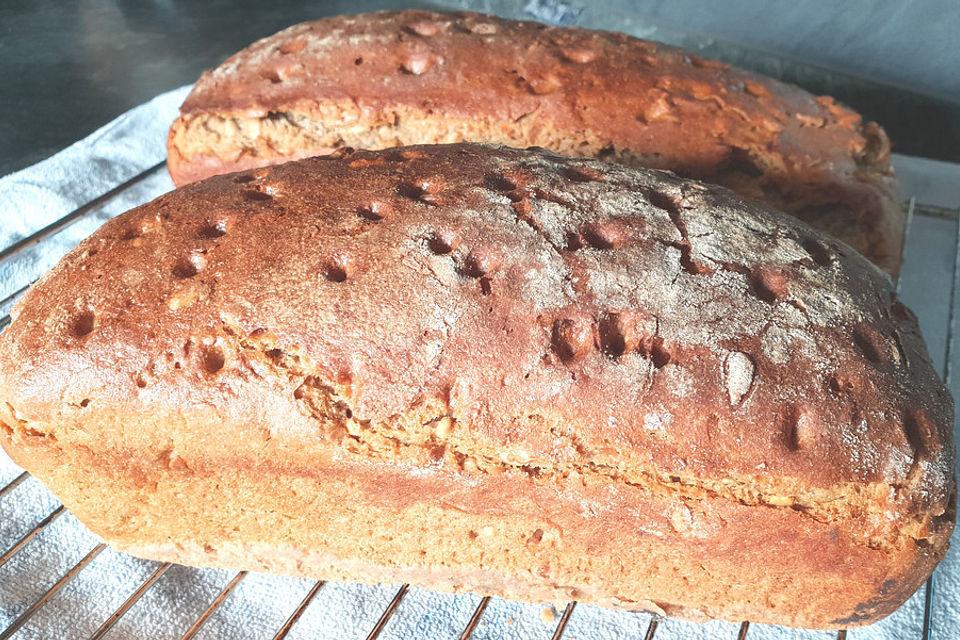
x,y
463,310
464,76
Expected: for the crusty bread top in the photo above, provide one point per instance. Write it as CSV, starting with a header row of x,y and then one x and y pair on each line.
x,y
547,309
575,91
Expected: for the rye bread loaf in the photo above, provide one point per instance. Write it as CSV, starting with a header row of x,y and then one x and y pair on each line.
x,y
414,77
479,368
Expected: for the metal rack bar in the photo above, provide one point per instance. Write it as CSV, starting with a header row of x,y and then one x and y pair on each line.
x,y
16,294
52,591
907,223
292,620
224,594
13,484
64,222
927,607
564,620
382,622
652,628
5,320
27,537
929,592
129,602
475,618
951,317
744,627
934,211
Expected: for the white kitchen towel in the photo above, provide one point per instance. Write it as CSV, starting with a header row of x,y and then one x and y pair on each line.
x,y
38,196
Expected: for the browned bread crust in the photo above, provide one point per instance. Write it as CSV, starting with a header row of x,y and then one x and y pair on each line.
x,y
479,368
385,79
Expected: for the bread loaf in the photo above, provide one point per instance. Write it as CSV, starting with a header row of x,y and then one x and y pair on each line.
x,y
478,368
385,79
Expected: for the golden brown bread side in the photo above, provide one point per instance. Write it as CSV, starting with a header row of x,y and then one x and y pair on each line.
x,y
414,77
479,368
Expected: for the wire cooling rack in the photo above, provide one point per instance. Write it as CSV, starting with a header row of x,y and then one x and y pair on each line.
x,y
928,284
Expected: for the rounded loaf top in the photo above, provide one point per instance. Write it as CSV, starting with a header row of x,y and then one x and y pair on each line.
x,y
385,79
482,66
544,308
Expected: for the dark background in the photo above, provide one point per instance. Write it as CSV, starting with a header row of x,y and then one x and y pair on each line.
x,y
70,67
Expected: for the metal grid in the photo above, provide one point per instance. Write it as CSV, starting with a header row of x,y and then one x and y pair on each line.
x,y
913,211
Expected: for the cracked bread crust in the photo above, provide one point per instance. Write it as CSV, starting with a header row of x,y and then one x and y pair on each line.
x,y
535,376
413,77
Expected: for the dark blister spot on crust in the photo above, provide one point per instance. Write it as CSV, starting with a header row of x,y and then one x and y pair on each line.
x,y
424,190
921,434
189,266
212,359
603,235
818,251
83,324
184,269
256,195
443,242
335,273
375,211
611,334
271,74
486,286
481,262
251,176
216,227
572,338
214,230
509,180
668,202
574,241
653,347
583,174
768,286
292,46
869,344
338,267
801,427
